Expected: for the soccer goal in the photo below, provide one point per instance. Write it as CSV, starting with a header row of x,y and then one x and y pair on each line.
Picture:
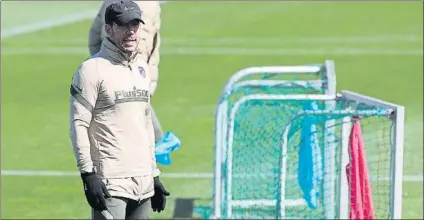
x,y
285,142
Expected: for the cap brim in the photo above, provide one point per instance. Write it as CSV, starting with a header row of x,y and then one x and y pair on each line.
x,y
125,19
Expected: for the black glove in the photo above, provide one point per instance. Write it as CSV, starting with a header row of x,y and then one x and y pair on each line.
x,y
159,199
95,191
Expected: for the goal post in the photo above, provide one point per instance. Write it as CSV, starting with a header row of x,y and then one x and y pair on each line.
x,y
260,132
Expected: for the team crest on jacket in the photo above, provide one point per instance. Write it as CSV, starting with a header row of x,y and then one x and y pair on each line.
x,y
142,72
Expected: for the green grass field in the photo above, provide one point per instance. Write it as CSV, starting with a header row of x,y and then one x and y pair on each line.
x,y
377,48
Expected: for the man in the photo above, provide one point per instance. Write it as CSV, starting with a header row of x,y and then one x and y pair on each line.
x,y
148,48
111,126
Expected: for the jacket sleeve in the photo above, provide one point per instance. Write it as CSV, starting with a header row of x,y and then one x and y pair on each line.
x,y
155,169
150,129
154,55
83,96
97,31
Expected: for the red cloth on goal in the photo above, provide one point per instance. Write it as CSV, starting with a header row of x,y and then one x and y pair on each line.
x,y
361,204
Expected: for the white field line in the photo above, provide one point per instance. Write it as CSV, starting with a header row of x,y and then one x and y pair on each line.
x,y
45,173
51,23
225,51
70,173
378,39
272,40
38,26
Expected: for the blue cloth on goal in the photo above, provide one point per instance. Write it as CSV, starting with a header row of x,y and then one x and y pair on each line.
x,y
163,148
310,171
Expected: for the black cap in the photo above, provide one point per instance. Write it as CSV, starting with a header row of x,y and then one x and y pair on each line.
x,y
122,12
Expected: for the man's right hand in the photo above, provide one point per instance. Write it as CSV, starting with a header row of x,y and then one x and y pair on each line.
x,y
95,191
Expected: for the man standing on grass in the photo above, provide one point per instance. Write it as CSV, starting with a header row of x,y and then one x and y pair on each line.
x,y
111,125
148,48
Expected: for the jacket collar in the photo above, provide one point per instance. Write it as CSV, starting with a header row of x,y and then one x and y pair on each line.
x,y
116,54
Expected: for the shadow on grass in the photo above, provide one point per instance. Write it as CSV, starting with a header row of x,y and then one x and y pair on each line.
x,y
192,208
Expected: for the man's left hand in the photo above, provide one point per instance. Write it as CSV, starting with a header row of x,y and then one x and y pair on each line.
x,y
159,199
